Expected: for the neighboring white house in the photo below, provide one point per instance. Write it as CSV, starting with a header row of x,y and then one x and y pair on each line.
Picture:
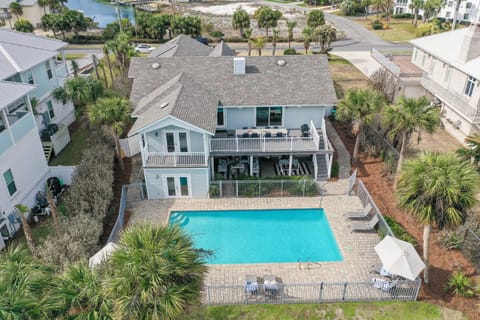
x,y
40,61
199,118
451,65
31,12
467,12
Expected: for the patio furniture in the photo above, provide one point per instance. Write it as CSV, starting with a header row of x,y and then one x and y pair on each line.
x,y
384,285
305,130
381,270
365,226
267,134
271,285
279,135
363,213
245,135
254,135
251,285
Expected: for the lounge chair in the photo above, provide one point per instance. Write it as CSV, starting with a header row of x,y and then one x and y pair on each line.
x,y
254,135
384,285
279,135
251,285
272,286
364,226
359,213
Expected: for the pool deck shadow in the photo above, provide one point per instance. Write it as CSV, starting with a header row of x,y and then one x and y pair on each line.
x,y
357,248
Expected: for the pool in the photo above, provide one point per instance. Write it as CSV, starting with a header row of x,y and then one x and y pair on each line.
x,y
261,236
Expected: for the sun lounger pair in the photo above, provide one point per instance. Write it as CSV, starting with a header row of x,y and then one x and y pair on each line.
x,y
384,285
269,284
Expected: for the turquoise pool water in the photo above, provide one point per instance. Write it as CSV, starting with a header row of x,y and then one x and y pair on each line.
x,y
261,236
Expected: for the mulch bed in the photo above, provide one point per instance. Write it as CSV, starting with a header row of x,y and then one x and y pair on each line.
x,y
442,262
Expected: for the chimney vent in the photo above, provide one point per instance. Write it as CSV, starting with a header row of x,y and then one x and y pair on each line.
x,y
239,65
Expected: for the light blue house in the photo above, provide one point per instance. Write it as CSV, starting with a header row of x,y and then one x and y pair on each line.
x,y
39,61
204,118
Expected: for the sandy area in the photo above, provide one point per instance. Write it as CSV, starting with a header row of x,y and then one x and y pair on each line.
x,y
226,9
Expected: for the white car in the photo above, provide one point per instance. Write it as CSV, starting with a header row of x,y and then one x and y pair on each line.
x,y
143,48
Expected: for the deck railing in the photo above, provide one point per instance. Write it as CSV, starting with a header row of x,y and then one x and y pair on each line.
x,y
305,187
175,159
264,144
326,292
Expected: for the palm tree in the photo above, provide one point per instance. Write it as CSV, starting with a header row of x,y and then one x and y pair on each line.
x,y
308,34
155,273
275,33
406,116
43,4
113,112
290,26
436,189
326,34
75,67
240,20
101,65
359,106
79,291
472,151
23,209
377,5
259,43
248,35
416,5
25,284
387,6
16,9
106,53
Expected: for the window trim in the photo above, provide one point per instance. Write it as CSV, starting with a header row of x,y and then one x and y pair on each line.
x,y
50,110
9,183
176,137
176,179
470,86
223,116
49,70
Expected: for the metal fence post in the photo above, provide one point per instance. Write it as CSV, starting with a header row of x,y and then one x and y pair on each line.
x,y
236,184
259,188
419,284
281,188
304,181
321,292
220,187
344,291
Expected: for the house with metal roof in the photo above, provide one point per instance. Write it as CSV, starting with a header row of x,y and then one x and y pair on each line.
x,y
450,62
204,118
39,61
185,46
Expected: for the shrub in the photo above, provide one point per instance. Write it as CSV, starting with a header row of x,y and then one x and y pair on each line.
x,y
403,16
399,231
290,51
377,25
216,34
460,285
335,170
450,240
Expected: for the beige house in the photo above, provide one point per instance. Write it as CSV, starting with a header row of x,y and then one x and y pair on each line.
x,y
31,12
451,65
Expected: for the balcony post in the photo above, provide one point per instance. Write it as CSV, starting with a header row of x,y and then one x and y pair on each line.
x,y
291,143
236,142
290,165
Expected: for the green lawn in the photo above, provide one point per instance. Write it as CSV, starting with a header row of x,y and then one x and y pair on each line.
x,y
398,30
74,56
72,153
373,311
40,232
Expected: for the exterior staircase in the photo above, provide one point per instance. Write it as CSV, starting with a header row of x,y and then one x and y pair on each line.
x,y
322,173
47,149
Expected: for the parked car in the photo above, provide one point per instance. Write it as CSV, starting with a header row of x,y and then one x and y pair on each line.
x,y
143,48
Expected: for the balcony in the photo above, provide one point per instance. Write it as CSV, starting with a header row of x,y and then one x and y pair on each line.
x,y
454,100
174,159
264,145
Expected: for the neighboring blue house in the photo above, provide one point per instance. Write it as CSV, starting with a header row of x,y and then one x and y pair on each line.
x,y
200,118
39,61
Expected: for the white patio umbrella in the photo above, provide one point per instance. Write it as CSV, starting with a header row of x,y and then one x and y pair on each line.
x,y
399,257
102,255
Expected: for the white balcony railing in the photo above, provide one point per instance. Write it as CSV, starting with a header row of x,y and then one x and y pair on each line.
x,y
263,144
175,159
456,101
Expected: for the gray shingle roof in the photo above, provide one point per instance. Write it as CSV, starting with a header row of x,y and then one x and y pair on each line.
x,y
181,46
303,80
222,50
12,91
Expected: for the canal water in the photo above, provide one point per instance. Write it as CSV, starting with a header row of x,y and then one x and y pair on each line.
x,y
101,12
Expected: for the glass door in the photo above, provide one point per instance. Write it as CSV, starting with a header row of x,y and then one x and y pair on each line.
x,y
178,187
176,141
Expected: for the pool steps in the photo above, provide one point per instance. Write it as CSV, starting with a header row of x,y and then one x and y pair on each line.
x,y
179,219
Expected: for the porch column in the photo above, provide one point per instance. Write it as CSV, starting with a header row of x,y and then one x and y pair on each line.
x,y
315,166
206,148
330,163
212,168
290,165
251,165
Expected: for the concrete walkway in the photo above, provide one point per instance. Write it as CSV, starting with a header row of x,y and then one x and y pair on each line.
x,y
362,60
343,156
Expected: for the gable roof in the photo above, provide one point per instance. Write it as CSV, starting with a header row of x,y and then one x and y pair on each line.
x,y
21,51
447,47
207,82
180,46
176,98
12,91
222,50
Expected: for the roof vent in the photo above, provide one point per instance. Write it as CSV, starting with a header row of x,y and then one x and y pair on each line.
x,y
163,105
155,65
239,65
281,62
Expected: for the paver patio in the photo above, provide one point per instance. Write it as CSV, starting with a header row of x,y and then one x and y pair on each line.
x,y
356,248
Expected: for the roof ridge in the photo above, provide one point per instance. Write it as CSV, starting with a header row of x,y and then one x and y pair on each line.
x,y
9,58
148,99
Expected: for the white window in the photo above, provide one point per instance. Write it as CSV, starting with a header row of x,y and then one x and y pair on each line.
x,y
423,59
51,113
448,14
471,81
176,141
468,5
177,186
8,176
49,70
466,16
30,78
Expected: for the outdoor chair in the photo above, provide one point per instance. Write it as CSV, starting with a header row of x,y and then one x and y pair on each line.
x,y
268,134
365,226
254,135
279,135
272,286
363,213
305,130
251,285
245,135
381,270
384,285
